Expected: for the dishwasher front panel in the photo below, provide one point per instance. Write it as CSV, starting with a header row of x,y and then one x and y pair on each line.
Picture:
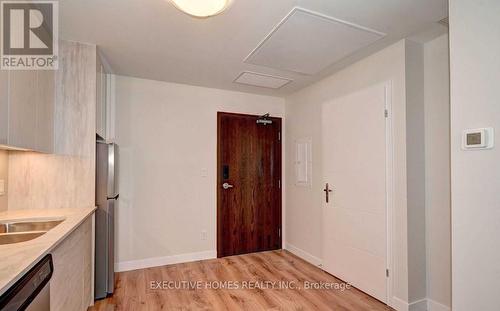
x,y
31,292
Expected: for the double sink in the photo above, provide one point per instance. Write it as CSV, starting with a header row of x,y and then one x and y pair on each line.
x,y
24,230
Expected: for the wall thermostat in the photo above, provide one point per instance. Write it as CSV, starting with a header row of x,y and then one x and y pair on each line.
x,y
474,139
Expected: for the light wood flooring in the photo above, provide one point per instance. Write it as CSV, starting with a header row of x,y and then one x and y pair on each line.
x,y
134,290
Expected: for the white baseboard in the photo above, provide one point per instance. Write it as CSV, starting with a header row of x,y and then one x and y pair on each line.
x,y
436,306
419,305
399,304
162,261
303,254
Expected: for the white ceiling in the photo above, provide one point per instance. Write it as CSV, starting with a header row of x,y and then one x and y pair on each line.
x,y
151,39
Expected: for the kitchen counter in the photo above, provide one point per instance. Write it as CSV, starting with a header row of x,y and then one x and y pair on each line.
x,y
16,259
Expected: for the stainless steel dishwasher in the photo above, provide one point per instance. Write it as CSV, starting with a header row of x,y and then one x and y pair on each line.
x,y
32,291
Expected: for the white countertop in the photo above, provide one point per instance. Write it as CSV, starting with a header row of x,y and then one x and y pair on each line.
x,y
16,259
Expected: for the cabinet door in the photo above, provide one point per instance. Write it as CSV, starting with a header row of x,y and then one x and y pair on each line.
x,y
98,104
70,286
22,108
4,106
100,100
104,103
29,110
45,111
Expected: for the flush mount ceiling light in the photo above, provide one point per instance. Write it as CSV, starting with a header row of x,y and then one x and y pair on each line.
x,y
202,8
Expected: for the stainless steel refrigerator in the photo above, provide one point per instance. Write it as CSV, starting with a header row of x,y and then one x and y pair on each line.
x,y
106,195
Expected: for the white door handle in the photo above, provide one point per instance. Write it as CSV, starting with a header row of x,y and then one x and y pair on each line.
x,y
226,186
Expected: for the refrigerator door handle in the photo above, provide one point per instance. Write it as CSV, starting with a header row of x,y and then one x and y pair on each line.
x,y
114,198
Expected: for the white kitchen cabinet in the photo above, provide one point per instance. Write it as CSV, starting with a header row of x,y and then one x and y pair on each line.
x,y
101,100
104,99
27,109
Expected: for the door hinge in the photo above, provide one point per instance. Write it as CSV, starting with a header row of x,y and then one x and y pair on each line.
x,y
279,232
279,184
386,113
387,272
279,136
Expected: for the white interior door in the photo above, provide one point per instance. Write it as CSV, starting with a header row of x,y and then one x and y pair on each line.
x,y
354,166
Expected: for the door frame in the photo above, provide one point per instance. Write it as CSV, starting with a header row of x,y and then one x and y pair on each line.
x,y
389,190
219,180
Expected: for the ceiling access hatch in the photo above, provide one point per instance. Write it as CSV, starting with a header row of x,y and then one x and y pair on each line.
x,y
307,42
261,80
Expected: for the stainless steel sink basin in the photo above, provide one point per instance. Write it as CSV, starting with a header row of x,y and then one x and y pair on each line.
x,y
27,226
10,238
23,230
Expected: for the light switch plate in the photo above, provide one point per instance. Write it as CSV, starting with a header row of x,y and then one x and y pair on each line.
x,y
2,187
204,172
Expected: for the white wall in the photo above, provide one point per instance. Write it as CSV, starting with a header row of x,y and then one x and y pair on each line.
x,y
475,175
303,116
167,138
415,166
437,171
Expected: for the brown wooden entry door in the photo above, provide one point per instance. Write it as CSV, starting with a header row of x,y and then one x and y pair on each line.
x,y
249,164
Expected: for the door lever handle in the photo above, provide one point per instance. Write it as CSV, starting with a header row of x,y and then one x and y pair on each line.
x,y
327,191
226,186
